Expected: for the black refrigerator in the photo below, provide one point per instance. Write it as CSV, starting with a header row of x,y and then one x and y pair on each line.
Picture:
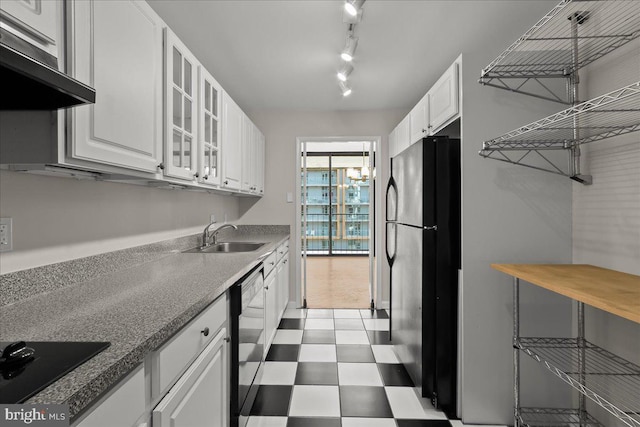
x,y
423,251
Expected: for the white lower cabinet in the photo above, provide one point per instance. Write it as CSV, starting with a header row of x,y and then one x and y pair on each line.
x,y
200,397
271,317
276,285
122,406
282,279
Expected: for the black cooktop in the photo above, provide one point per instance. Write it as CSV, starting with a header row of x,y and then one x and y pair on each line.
x,y
50,361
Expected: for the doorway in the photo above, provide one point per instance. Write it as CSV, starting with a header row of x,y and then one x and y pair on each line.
x,y
336,226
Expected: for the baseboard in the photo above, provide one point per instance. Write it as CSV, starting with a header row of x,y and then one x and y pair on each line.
x,y
384,305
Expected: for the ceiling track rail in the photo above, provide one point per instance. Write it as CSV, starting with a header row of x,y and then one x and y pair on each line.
x,y
572,35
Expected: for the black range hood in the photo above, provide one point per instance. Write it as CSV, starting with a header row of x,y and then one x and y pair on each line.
x,y
31,84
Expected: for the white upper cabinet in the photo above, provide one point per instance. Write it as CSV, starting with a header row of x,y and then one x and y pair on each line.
x,y
181,89
117,49
232,128
210,127
252,158
34,21
261,160
248,154
403,134
419,120
444,100
392,142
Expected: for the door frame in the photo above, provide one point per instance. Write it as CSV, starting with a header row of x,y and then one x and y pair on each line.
x,y
375,152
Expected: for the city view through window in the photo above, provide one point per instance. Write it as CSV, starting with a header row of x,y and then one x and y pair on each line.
x,y
336,198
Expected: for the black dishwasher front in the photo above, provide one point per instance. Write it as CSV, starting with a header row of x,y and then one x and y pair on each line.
x,y
247,343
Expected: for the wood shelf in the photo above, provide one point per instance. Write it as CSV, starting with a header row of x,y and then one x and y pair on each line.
x,y
609,290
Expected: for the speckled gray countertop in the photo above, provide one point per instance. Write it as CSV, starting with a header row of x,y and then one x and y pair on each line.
x,y
136,308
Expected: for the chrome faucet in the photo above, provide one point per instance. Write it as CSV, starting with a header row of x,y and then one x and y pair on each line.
x,y
205,235
214,235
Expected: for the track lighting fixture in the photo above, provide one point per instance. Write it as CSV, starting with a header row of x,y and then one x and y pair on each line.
x,y
352,15
344,71
353,6
346,90
349,48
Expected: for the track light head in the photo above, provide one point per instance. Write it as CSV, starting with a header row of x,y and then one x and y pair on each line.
x,y
349,48
346,90
344,71
353,6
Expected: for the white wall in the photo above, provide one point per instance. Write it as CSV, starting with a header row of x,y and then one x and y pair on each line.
x,y
606,215
510,214
281,128
57,219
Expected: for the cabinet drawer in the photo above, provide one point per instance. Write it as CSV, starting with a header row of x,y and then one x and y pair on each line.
x,y
200,397
282,249
122,406
270,262
175,355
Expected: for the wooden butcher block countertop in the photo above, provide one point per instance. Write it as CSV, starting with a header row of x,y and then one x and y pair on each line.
x,y
609,290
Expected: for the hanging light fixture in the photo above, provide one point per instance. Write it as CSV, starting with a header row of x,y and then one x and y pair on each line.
x,y
345,71
346,90
364,172
352,174
349,48
353,6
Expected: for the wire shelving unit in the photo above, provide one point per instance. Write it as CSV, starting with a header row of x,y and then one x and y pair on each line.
x,y
555,417
612,114
608,380
571,36
600,377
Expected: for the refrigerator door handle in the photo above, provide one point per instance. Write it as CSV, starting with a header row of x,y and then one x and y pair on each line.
x,y
433,227
390,257
392,186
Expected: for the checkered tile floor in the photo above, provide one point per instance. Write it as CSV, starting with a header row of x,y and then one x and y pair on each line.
x,y
336,368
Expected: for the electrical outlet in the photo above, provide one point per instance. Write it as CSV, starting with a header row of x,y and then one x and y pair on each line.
x,y
6,234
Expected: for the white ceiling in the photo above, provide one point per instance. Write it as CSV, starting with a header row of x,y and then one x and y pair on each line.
x,y
284,54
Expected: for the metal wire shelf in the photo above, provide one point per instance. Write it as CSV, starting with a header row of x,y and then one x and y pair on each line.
x,y
612,114
554,417
608,380
547,49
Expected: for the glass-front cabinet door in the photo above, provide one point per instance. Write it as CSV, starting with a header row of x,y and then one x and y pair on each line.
x,y
209,132
180,136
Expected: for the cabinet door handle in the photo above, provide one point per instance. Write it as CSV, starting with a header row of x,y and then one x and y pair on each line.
x,y
205,331
196,175
272,263
227,339
266,288
206,177
161,166
226,182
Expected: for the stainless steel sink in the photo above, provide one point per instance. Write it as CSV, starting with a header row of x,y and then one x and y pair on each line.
x,y
226,247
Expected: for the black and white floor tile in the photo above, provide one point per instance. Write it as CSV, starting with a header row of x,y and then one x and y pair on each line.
x,y
337,368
